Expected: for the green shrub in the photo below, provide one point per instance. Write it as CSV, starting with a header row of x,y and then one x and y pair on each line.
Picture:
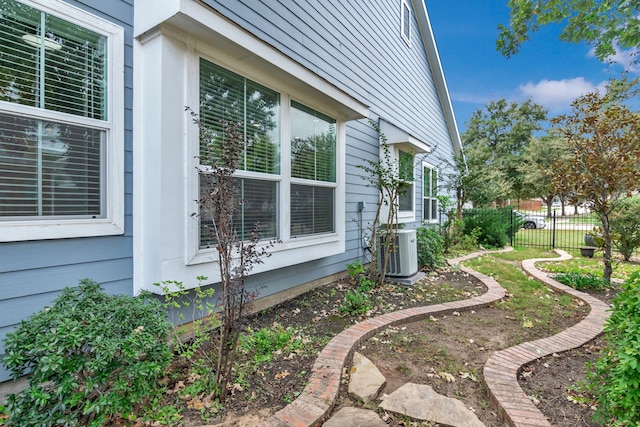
x,y
430,248
264,342
358,273
90,356
615,378
494,225
583,281
625,226
356,268
356,302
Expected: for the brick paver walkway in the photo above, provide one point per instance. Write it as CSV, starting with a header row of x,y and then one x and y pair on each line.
x,y
319,396
501,369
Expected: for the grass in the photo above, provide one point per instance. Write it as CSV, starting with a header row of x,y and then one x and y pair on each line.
x,y
529,300
594,266
563,238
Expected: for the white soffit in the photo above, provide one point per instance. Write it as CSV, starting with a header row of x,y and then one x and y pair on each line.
x,y
395,135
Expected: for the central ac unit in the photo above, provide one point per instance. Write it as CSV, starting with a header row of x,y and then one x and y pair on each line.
x,y
403,259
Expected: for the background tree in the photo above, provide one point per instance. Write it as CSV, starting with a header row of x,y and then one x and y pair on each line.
x,y
603,24
625,226
494,140
537,167
604,138
457,179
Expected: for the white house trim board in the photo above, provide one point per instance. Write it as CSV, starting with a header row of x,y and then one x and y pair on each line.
x,y
166,244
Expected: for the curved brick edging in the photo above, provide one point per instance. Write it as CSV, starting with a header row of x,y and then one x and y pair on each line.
x,y
319,396
501,369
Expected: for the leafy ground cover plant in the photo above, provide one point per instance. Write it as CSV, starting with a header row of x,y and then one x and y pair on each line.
x,y
583,281
615,377
356,302
91,356
580,265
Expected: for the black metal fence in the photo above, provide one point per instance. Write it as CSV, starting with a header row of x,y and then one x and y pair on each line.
x,y
550,231
544,230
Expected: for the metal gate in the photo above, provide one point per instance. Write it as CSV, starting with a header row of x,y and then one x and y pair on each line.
x,y
537,229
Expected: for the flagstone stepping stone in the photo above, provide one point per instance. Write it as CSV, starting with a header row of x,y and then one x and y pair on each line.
x,y
355,417
421,402
366,380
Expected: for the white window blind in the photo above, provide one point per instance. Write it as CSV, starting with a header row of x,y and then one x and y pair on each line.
x,y
312,210
49,63
226,97
254,112
313,158
313,144
51,167
257,203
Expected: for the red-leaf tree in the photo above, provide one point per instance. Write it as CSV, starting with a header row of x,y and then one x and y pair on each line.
x,y
604,165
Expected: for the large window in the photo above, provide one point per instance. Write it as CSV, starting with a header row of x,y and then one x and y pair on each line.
x,y
430,191
54,116
230,103
313,171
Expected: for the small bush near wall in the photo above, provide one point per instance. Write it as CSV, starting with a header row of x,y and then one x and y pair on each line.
x,y
430,248
90,356
493,225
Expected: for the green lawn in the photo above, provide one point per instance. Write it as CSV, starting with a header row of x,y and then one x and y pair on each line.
x,y
595,266
563,238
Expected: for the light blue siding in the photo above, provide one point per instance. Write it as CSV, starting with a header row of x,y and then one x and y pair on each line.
x,y
33,273
358,47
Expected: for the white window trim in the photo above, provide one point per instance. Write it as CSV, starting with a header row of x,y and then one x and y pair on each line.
x,y
166,243
406,7
195,255
424,193
113,186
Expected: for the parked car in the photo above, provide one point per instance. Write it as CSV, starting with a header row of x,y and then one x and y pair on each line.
x,y
530,221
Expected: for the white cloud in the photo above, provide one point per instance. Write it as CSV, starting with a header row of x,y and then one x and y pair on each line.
x,y
557,95
627,58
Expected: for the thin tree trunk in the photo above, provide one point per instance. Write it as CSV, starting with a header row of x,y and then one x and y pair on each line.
x,y
606,231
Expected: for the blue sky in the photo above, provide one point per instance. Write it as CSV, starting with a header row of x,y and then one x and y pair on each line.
x,y
550,72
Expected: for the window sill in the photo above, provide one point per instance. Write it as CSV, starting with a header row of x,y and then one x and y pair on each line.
x,y
15,231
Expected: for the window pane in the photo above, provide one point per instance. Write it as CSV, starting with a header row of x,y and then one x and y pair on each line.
x,y
228,98
434,183
49,169
406,15
405,166
405,171
312,210
49,63
313,144
405,198
257,204
434,208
